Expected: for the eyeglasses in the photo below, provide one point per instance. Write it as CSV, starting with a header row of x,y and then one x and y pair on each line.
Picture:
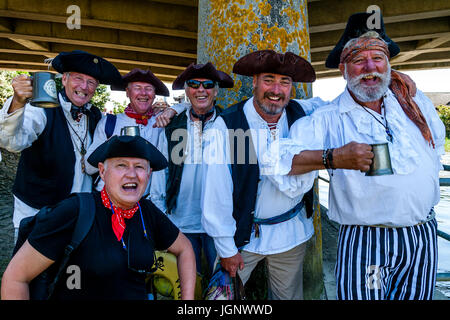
x,y
80,80
195,84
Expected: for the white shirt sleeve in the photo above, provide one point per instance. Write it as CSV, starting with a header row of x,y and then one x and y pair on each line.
x,y
435,124
305,134
180,107
98,139
310,105
21,128
158,183
217,195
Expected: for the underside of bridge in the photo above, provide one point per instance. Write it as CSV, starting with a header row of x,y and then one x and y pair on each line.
x,y
162,34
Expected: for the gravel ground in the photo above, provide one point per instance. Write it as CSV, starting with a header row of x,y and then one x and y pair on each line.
x,y
7,173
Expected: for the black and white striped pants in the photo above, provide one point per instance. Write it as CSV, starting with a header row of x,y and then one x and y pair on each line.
x,y
386,263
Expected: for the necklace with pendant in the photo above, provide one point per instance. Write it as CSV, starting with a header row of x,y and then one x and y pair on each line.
x,y
82,150
386,126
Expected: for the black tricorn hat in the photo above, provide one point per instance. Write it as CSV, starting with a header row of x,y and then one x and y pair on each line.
x,y
139,75
130,147
269,61
207,71
83,62
356,27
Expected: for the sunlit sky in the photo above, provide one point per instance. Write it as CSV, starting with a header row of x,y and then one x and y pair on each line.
x,y
435,80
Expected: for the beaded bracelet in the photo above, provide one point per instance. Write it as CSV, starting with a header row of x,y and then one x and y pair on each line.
x,y
324,159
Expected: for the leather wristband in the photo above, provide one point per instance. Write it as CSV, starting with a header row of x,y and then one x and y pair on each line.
x,y
330,158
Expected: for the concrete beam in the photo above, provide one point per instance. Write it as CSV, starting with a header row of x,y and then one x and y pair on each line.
x,y
135,12
332,15
97,44
424,47
100,23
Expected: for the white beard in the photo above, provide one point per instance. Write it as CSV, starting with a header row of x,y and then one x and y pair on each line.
x,y
369,93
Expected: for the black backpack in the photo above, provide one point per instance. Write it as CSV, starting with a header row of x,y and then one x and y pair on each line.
x,y
41,287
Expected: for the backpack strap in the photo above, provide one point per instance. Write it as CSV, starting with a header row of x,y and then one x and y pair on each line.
x,y
86,214
110,124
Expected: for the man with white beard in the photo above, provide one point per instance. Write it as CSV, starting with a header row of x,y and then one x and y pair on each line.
x,y
387,247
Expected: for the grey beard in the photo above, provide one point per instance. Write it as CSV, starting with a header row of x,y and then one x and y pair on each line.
x,y
369,94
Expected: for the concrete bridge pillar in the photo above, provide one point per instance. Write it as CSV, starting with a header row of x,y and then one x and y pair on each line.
x,y
230,29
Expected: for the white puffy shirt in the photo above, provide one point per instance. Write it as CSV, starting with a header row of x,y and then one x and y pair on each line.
x,y
402,199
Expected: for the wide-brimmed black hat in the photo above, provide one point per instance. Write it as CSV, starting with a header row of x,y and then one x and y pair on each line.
x,y
83,62
130,147
139,75
356,27
269,61
207,71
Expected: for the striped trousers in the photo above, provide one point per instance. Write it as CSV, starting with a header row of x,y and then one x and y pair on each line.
x,y
386,263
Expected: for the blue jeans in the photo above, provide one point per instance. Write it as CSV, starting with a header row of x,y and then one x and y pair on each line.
x,y
201,241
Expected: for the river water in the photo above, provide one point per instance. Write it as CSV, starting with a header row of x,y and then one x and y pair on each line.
x,y
442,216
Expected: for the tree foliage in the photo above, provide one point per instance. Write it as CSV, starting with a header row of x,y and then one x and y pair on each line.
x,y
444,114
6,89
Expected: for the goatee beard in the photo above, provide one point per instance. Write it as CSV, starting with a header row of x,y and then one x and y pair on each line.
x,y
271,109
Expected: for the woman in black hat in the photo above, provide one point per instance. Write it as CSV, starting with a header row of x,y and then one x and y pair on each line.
x,y
118,252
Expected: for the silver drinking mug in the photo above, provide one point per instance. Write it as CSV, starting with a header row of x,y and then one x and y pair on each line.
x,y
130,131
381,162
44,90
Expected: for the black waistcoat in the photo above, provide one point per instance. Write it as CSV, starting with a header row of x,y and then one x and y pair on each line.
x,y
175,166
46,169
245,174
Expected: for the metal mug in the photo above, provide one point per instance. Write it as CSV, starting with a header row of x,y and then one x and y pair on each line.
x,y
130,131
44,90
381,162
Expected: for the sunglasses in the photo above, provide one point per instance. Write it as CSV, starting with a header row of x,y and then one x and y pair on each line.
x,y
195,84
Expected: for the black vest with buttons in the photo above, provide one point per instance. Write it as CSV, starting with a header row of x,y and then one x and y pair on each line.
x,y
175,168
46,169
245,174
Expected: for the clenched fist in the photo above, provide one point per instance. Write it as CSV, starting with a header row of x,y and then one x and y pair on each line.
x,y
164,118
23,90
353,155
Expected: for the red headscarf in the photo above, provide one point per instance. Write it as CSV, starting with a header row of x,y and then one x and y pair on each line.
x,y
401,85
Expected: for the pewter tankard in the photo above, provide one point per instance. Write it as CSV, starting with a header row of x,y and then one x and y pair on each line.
x,y
381,162
44,90
130,131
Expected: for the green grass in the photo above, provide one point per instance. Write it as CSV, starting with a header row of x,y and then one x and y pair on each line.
x,y
447,145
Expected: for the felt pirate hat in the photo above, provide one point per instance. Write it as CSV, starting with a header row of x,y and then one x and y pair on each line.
x,y
269,61
130,147
83,62
139,75
207,71
357,25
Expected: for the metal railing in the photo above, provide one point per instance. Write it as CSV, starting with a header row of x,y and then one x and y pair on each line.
x,y
443,182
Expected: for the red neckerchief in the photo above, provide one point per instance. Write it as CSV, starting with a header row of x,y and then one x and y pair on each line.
x,y
140,118
117,219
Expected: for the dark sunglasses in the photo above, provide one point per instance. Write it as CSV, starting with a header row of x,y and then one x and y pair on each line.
x,y
195,84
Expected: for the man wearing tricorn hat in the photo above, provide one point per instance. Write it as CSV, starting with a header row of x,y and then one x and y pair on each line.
x,y
247,216
53,141
117,253
387,247
141,88
178,190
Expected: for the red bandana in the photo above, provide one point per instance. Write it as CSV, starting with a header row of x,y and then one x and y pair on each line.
x,y
140,118
117,219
